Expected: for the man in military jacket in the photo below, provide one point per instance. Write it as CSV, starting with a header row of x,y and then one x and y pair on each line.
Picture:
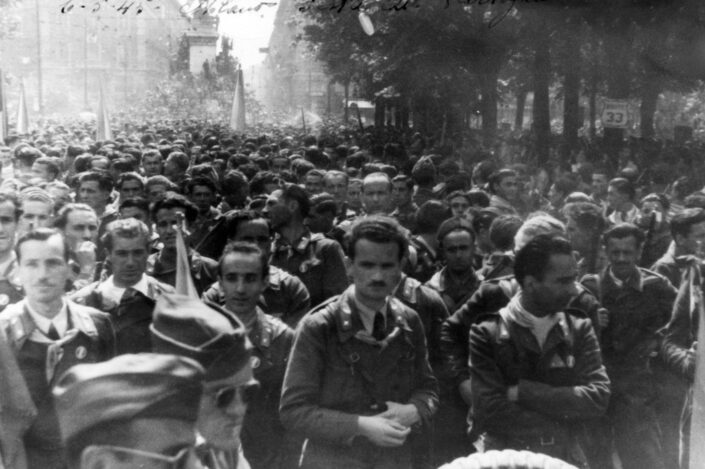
x,y
49,334
536,373
242,278
639,303
128,294
358,380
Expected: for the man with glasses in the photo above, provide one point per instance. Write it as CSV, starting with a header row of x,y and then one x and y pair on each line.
x,y
243,277
217,340
132,411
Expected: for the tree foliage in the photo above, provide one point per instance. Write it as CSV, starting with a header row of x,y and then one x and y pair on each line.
x,y
450,58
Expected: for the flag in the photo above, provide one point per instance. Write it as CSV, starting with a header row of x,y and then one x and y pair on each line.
x,y
103,132
22,116
303,120
184,281
3,109
237,116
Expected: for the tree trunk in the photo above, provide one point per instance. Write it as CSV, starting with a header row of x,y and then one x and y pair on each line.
x,y
649,99
618,78
571,92
593,106
521,103
542,116
346,86
488,105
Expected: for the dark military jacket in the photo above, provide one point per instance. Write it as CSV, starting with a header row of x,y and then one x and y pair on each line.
x,y
204,270
491,297
131,317
637,310
262,431
317,261
560,383
334,376
285,297
89,339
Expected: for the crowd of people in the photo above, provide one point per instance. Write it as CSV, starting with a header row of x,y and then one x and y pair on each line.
x,y
362,302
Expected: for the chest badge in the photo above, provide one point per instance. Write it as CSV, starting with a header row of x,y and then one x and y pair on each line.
x,y
81,352
255,362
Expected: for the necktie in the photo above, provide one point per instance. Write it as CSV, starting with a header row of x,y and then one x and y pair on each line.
x,y
379,332
53,334
128,295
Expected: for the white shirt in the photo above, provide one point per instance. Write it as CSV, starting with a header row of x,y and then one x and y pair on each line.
x,y
113,293
43,323
367,315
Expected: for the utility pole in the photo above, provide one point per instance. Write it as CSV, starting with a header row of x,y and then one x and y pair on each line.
x,y
85,61
39,60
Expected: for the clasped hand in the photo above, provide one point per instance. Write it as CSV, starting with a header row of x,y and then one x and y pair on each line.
x,y
391,427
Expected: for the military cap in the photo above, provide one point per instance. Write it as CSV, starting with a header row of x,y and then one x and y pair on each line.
x,y
128,387
508,459
206,333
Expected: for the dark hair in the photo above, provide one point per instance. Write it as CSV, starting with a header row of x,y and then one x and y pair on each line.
x,y
159,180
299,195
478,197
483,220
683,221
50,163
334,173
41,234
130,176
430,216
586,215
124,228
234,218
502,231
201,181
105,182
496,178
323,202
534,257
139,203
171,201
405,179
243,247
624,230
180,159
658,198
623,186
151,154
12,198
63,216
451,225
456,194
378,229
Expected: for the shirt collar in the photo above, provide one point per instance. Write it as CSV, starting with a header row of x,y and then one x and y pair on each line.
x,y
634,281
60,321
114,293
367,315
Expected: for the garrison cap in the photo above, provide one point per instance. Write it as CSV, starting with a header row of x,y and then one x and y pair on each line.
x,y
206,333
128,387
